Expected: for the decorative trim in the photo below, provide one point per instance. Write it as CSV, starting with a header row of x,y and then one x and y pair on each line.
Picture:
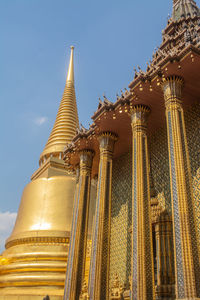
x,y
38,240
32,283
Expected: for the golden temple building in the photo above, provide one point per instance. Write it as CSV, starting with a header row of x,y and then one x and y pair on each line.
x,y
139,163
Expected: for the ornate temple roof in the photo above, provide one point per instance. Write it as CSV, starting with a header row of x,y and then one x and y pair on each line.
x,y
178,55
66,123
184,9
181,34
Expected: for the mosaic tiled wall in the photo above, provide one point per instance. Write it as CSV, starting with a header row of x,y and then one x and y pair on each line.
x,y
121,218
159,158
121,189
158,149
192,121
160,164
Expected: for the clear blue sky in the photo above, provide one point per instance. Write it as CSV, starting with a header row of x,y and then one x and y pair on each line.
x,y
110,38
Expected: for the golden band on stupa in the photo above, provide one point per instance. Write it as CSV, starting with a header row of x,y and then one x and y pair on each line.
x,y
139,165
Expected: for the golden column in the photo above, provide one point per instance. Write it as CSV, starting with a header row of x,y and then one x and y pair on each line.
x,y
187,270
164,256
78,239
142,255
99,277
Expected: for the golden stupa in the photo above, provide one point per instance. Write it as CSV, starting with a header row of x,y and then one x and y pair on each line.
x,y
34,262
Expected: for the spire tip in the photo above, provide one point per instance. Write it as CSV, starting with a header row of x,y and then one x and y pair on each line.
x,y
70,74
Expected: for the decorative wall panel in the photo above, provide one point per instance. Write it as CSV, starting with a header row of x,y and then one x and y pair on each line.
x,y
120,251
121,189
192,123
160,167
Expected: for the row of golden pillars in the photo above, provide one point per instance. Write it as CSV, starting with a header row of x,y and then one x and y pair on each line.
x,y
186,256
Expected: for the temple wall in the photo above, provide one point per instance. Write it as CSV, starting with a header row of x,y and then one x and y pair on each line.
x,y
192,120
121,189
160,164
158,150
121,218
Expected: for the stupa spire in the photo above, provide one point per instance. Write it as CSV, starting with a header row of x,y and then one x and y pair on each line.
x,y
66,122
184,9
70,74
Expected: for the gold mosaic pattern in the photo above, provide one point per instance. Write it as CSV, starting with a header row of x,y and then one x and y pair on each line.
x,y
192,123
120,262
160,167
160,163
120,252
196,191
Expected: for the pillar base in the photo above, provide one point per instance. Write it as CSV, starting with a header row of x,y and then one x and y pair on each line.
x,y
127,295
165,291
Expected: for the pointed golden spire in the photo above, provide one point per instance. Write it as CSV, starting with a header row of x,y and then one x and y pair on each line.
x,y
70,74
66,122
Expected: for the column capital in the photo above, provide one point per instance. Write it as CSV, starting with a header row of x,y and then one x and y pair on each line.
x,y
77,172
172,87
139,116
86,157
106,141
